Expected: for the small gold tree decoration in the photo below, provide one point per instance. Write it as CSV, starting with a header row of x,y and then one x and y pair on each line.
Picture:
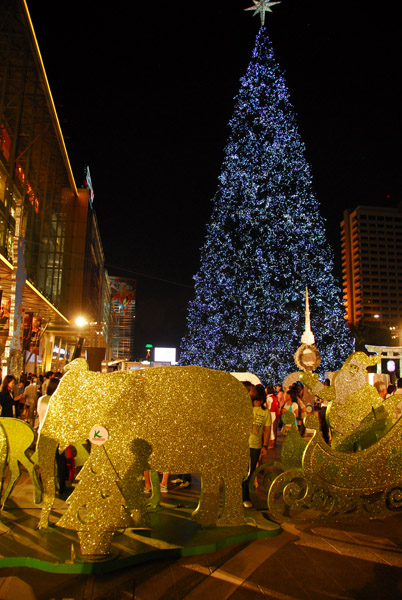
x,y
97,506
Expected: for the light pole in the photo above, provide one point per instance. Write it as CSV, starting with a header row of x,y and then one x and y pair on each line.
x,y
81,323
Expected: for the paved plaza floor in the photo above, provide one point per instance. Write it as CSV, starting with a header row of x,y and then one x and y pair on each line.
x,y
359,559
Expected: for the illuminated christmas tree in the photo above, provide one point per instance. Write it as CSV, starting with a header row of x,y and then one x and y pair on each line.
x,y
264,244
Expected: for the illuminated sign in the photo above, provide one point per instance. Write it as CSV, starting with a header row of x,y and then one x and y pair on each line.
x,y
391,366
89,186
165,355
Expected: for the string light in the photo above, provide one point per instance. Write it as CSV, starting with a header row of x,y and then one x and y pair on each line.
x,y
265,242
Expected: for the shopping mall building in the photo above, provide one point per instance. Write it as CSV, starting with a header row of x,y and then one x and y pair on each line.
x,y
51,259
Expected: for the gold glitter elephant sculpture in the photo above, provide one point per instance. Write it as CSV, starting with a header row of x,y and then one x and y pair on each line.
x,y
16,437
172,419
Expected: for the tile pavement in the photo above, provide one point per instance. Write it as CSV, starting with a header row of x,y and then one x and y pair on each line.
x,y
349,560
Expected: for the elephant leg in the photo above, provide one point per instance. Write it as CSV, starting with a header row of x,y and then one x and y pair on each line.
x,y
15,473
153,503
30,467
206,512
49,494
46,459
233,513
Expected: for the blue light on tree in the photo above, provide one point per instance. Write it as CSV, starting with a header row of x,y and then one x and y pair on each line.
x,y
265,242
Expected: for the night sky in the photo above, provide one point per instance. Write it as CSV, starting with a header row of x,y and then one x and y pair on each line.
x,y
144,92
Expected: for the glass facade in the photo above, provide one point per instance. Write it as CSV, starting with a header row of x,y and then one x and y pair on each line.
x,y
32,166
63,256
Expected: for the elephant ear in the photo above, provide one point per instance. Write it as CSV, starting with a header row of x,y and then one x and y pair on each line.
x,y
78,364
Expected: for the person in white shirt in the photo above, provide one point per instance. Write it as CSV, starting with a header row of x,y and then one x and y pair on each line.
x,y
43,401
31,398
46,380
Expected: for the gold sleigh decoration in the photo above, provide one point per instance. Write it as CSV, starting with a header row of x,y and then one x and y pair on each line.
x,y
361,472
341,484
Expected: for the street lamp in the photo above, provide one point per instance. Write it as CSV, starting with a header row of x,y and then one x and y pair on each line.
x,y
80,322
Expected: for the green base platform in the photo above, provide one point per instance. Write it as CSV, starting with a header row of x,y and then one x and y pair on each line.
x,y
172,534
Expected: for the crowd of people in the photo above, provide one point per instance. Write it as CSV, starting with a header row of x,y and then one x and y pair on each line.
x,y
27,398
385,392
268,405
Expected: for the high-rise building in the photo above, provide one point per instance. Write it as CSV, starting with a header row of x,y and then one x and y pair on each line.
x,y
123,301
372,266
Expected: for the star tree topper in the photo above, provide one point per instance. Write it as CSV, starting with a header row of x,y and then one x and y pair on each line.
x,y
262,6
